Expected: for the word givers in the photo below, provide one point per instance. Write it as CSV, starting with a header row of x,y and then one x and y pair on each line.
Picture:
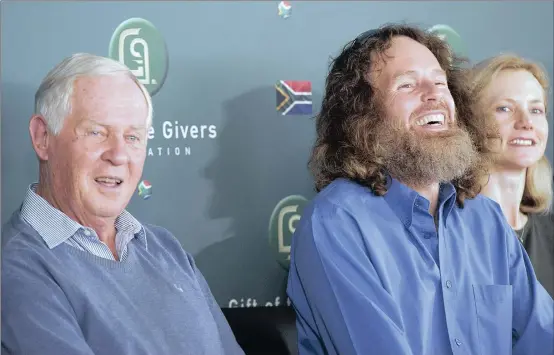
x,y
178,133
174,130
251,302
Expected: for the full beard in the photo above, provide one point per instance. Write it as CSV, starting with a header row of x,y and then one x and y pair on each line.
x,y
419,159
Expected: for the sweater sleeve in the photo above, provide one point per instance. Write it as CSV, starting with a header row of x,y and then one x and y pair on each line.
x,y
36,316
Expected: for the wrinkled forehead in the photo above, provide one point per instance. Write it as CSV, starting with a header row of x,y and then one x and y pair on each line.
x,y
99,87
109,97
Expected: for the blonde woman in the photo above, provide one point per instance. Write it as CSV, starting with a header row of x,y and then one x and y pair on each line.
x,y
513,91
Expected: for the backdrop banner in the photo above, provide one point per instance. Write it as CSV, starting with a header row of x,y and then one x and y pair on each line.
x,y
236,87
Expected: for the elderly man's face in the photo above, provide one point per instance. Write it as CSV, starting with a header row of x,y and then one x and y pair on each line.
x,y
96,161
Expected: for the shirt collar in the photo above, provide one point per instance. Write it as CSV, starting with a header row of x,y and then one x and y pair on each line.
x,y
55,227
402,199
447,198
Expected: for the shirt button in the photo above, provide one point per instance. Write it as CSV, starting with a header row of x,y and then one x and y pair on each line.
x,y
458,342
87,232
448,284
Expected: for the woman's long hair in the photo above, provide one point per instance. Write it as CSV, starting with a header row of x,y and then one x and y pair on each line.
x,y
537,194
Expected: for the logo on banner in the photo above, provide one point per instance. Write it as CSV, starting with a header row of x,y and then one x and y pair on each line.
x,y
285,9
448,34
282,224
294,97
140,46
145,189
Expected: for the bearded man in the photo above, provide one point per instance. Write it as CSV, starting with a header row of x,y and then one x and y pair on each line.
x,y
398,254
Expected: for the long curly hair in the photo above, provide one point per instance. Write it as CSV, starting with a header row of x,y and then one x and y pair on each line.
x,y
346,127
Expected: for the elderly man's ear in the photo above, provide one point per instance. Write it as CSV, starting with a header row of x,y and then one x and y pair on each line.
x,y
38,129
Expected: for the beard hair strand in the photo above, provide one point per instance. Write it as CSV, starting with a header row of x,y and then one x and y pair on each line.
x,y
420,159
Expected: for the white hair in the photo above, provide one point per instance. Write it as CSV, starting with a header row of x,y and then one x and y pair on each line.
x,y
53,97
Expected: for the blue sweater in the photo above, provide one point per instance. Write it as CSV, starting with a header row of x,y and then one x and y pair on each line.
x,y
64,301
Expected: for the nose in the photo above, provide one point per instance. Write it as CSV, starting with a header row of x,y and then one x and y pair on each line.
x,y
116,152
430,92
523,121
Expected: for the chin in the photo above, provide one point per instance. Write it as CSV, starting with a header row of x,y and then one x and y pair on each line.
x,y
517,164
110,211
106,207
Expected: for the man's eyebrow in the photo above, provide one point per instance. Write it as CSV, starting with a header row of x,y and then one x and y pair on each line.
x,y
413,72
96,123
138,127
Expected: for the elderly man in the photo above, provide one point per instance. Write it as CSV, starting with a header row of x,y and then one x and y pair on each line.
x,y
397,254
80,275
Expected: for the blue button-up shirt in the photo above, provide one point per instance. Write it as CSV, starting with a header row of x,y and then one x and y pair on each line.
x,y
375,275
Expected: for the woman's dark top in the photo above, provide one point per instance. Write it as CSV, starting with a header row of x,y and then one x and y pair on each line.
x,y
537,237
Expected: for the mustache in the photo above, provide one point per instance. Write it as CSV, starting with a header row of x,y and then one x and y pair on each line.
x,y
432,106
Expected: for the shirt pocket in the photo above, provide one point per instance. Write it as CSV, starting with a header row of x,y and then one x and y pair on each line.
x,y
493,304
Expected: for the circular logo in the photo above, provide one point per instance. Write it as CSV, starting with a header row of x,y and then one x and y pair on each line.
x,y
145,189
285,9
282,224
448,34
140,46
